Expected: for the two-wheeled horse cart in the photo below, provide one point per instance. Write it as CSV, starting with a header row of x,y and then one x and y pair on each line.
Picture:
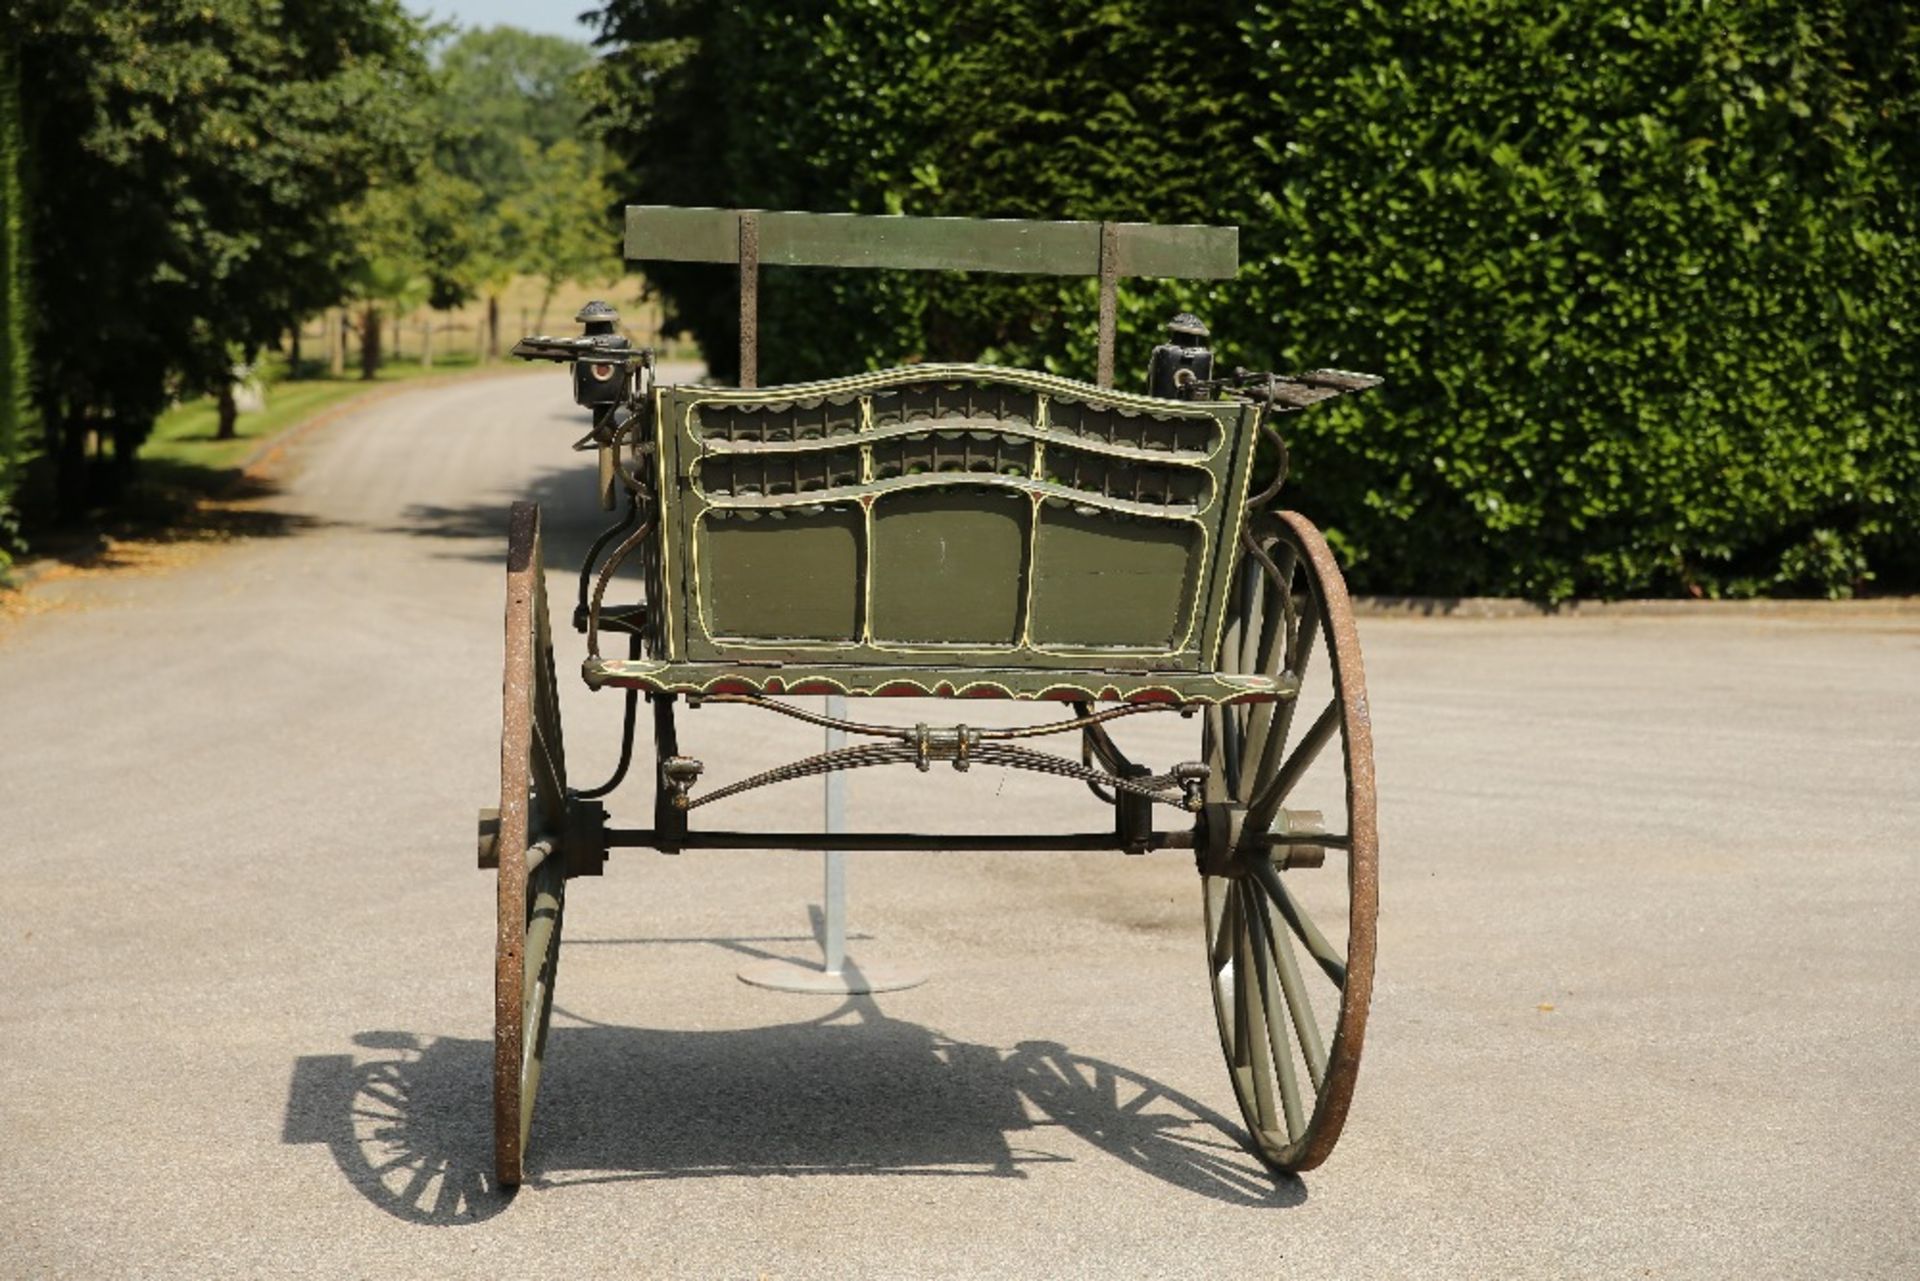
x,y
966,531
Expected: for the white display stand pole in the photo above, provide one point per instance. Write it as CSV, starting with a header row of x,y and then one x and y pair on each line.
x,y
837,974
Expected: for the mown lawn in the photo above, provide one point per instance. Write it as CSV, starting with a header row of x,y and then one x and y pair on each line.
x,y
184,436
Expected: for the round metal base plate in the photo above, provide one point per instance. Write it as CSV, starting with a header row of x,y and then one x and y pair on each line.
x,y
853,979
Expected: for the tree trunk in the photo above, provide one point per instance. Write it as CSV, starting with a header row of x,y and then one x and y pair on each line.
x,y
126,457
369,343
293,352
426,342
493,326
546,299
229,412
70,465
337,332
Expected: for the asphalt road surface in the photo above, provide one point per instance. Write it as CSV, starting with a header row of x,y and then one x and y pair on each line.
x,y
1649,963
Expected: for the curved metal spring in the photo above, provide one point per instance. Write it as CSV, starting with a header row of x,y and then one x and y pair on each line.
x,y
865,755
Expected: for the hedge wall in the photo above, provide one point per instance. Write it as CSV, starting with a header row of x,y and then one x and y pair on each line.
x,y
1644,281
1646,286
15,392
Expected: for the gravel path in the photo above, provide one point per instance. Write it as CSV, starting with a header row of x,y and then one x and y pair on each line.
x,y
1648,998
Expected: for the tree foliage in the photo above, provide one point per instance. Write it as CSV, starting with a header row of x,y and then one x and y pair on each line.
x,y
15,354
500,87
1642,279
509,113
1084,109
189,159
559,226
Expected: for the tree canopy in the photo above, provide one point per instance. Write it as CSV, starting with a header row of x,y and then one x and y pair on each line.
x,y
189,160
500,88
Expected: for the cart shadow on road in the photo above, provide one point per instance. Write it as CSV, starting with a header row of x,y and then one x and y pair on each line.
x,y
854,1092
570,519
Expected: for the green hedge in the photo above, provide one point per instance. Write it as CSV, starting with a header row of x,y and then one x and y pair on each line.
x,y
1644,283
1646,287
15,392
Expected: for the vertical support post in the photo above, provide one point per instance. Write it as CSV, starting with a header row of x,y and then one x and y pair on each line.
x,y
834,896
1109,301
837,974
750,302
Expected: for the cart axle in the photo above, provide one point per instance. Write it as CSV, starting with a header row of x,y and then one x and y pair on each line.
x,y
649,838
1293,851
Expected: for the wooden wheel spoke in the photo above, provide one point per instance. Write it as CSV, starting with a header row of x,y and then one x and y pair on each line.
x,y
540,957
1285,564
1236,929
1280,1047
1222,941
1300,652
1216,785
1323,952
1255,636
1306,1025
1230,741
1266,803
1250,1023
549,782
1267,722
1306,751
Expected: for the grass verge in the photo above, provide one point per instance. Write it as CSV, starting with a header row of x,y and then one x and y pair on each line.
x,y
192,489
185,436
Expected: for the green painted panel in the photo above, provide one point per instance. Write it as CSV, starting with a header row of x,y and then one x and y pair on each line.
x,y
1183,252
965,493
1021,246
949,567
1108,580
663,233
791,575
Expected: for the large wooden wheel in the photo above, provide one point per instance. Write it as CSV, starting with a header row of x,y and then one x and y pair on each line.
x,y
1290,939
533,823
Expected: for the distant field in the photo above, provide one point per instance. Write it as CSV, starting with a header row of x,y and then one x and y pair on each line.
x,y
458,332
183,450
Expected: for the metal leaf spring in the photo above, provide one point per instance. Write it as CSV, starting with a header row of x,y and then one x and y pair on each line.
x,y
864,755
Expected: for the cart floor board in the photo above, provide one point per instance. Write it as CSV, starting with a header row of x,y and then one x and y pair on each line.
x,y
866,681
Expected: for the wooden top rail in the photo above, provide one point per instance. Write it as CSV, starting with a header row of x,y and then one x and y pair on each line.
x,y
749,237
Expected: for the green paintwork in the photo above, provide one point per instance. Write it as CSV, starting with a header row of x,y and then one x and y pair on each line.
x,y
1138,593
950,567
675,234
944,681
803,570
942,521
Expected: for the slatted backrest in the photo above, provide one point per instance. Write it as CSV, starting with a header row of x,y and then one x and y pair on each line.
x,y
751,238
963,516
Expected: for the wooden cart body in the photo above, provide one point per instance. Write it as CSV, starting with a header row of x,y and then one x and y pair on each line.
x,y
962,531
942,529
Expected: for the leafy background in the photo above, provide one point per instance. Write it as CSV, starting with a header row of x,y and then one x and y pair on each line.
x,y
1643,279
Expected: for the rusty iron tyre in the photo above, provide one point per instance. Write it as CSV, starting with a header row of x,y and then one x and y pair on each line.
x,y
532,826
1290,941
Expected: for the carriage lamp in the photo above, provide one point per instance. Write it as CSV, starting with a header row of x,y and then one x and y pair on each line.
x,y
1181,362
600,382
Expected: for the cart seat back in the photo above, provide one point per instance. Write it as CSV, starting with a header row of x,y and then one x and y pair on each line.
x,y
949,515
